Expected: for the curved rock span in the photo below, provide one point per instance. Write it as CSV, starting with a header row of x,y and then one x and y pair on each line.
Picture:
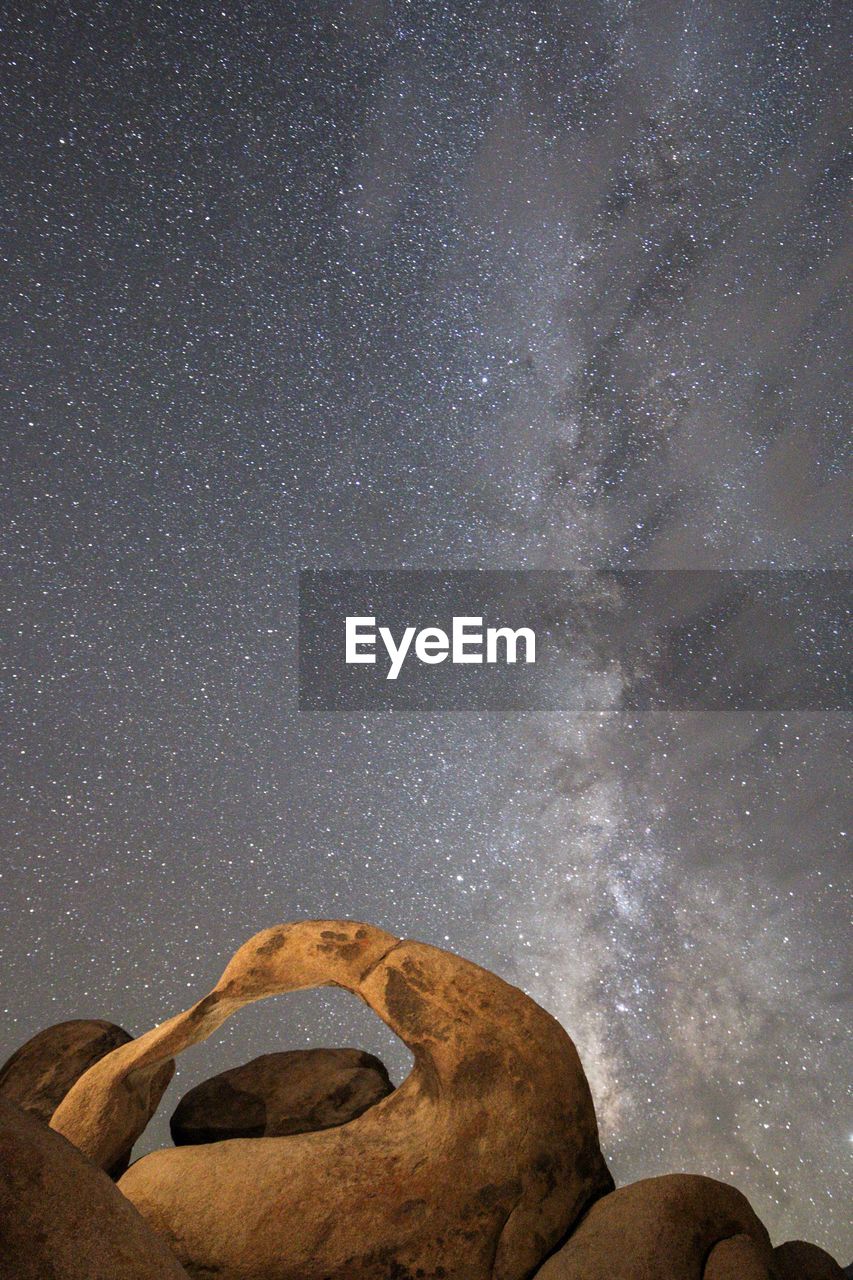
x,y
474,1169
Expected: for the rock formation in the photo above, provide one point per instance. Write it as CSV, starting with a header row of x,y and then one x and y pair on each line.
x,y
39,1074
666,1228
472,1170
738,1258
279,1094
63,1219
796,1260
483,1165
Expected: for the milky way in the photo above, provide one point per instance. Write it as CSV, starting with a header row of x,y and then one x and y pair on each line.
x,y
431,286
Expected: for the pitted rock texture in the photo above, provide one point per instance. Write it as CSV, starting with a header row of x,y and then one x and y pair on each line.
x,y
796,1260
63,1219
301,1091
39,1074
473,1169
665,1229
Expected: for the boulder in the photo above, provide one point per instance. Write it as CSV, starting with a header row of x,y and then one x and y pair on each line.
x,y
61,1217
665,1229
281,1093
738,1258
796,1260
473,1169
39,1074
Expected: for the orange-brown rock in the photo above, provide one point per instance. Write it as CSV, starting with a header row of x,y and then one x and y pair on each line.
x,y
664,1229
39,1074
738,1258
473,1169
276,1094
796,1260
63,1219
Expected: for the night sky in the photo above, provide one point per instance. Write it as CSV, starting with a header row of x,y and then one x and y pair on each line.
x,y
427,285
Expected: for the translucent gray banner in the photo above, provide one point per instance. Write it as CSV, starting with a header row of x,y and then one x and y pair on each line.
x,y
554,640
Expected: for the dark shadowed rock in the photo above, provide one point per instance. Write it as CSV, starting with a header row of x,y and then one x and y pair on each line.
x,y
473,1169
39,1074
300,1091
665,1229
63,1219
796,1260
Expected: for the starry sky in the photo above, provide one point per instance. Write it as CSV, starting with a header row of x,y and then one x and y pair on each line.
x,y
427,285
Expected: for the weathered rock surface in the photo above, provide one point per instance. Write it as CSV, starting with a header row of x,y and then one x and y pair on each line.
x,y
39,1074
309,1166
473,1169
738,1258
665,1229
277,1094
63,1219
796,1260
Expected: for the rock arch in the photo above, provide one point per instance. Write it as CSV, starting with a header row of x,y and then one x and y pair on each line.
x,y
473,1169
